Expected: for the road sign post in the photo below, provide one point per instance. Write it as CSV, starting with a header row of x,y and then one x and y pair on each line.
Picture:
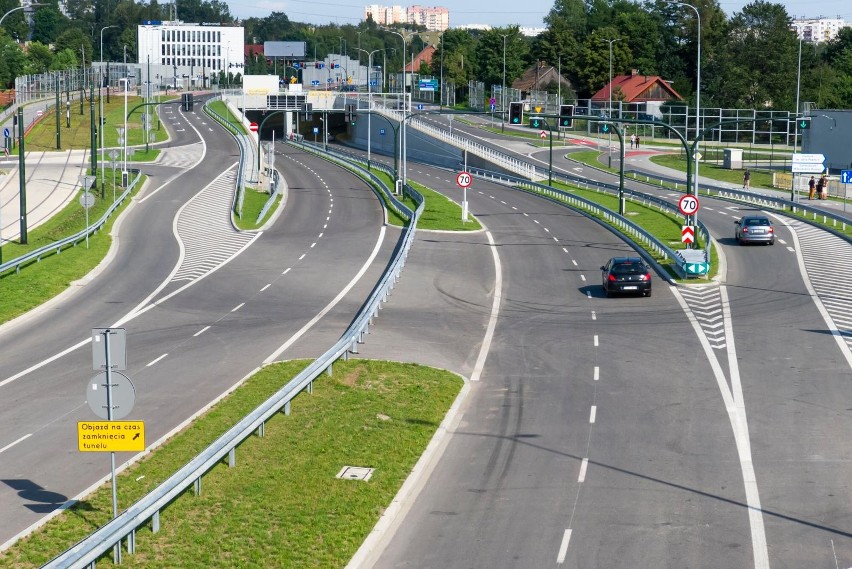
x,y
688,206
464,180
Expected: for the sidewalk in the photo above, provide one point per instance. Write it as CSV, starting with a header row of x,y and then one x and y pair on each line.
x,y
53,180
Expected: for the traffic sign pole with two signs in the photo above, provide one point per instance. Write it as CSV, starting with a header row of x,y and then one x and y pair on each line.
x,y
688,205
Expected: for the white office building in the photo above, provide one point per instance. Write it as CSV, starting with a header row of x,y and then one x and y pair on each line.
x,y
186,55
818,30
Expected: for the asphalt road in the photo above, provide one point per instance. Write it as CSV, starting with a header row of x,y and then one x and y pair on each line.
x,y
198,320
721,418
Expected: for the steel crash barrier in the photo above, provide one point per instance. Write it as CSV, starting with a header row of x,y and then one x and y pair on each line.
x,y
246,155
623,224
147,509
71,241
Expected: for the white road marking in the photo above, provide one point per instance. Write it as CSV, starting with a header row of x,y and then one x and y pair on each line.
x,y
13,443
583,278
791,249
526,215
302,257
593,414
156,360
320,236
563,548
495,311
237,307
200,332
597,374
314,244
271,358
596,340
594,315
266,287
584,465
287,271
565,249
573,261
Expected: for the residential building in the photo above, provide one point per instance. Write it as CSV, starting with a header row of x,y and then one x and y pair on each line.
x,y
636,93
435,19
818,30
186,55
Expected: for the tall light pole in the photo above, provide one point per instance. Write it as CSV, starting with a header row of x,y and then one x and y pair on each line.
x,y
609,107
798,87
441,88
101,101
3,17
124,176
369,99
402,137
503,88
697,95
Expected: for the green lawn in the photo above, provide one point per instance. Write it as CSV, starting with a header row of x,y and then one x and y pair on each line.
x,y
78,135
759,178
253,202
222,109
38,282
440,213
281,505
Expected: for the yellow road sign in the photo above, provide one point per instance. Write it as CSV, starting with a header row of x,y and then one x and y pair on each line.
x,y
111,436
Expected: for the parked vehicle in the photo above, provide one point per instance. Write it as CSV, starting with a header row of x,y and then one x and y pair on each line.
x,y
626,275
755,229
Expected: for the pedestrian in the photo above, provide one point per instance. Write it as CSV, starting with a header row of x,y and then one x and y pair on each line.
x,y
822,187
811,188
637,141
632,140
746,179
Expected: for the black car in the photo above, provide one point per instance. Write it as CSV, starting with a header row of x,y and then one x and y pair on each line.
x,y
626,275
754,229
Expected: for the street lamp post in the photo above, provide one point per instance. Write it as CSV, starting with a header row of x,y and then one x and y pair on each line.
x,y
401,138
503,88
609,107
16,9
126,132
369,100
697,97
101,108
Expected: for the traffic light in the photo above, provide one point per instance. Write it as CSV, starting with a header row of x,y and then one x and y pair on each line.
x,y
537,122
804,123
565,114
351,115
516,113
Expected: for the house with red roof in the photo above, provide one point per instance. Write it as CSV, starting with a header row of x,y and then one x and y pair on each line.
x,y
637,92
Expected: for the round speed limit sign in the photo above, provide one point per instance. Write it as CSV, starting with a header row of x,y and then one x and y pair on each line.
x,y
688,205
464,179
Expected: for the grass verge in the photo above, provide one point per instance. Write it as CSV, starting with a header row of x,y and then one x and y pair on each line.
x,y
441,213
253,202
281,505
222,109
38,282
759,178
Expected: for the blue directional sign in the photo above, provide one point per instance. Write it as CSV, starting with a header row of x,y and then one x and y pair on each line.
x,y
315,82
6,132
420,106
316,130
845,175
373,83
382,131
605,128
493,106
329,80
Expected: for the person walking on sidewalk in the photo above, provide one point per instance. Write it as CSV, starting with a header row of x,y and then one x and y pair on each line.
x,y
637,141
746,179
632,140
822,187
811,188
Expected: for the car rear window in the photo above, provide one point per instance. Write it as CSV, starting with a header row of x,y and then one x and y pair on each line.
x,y
757,221
628,269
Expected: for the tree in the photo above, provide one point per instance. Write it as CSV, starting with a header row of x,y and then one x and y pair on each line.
x,y
48,22
760,58
203,11
65,59
15,23
77,42
488,56
12,61
594,73
39,58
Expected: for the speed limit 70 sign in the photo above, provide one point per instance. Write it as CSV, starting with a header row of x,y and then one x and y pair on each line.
x,y
464,179
688,205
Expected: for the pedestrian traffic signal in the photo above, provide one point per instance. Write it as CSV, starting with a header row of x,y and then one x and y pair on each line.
x,y
804,123
565,114
516,113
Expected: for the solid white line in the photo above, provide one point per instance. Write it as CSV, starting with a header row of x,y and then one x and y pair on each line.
x,y
274,355
237,307
596,340
495,311
266,287
10,445
583,466
155,361
597,373
563,548
200,332
593,414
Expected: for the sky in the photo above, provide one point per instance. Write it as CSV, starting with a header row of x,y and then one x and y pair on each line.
x,y
497,13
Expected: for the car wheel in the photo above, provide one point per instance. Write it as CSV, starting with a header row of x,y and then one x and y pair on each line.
x,y
772,242
607,292
647,293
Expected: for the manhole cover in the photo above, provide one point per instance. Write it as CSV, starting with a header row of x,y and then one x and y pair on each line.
x,y
355,473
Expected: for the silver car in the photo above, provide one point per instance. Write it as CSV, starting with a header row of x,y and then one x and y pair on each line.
x,y
755,229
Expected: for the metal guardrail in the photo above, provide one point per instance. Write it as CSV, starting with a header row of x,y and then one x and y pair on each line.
x,y
147,508
239,136
57,246
265,209
621,223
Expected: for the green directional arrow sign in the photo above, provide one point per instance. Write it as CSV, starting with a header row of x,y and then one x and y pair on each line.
x,y
536,122
605,128
804,124
697,268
